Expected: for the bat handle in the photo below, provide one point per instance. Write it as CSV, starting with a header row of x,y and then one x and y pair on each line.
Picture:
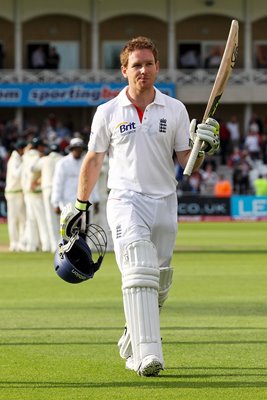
x,y
193,157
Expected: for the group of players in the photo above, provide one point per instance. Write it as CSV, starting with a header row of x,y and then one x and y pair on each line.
x,y
40,181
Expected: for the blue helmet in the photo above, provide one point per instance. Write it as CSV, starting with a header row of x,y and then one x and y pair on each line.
x,y
73,260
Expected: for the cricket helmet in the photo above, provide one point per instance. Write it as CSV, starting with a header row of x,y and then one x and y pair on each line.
x,y
78,259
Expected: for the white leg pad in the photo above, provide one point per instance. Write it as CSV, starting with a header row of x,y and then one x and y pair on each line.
x,y
165,281
140,286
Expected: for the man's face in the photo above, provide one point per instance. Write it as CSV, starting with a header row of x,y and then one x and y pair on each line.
x,y
141,70
41,149
77,152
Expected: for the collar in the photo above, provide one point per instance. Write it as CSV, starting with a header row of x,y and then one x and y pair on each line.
x,y
124,101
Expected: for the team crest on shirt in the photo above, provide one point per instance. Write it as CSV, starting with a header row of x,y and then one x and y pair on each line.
x,y
125,128
118,231
163,125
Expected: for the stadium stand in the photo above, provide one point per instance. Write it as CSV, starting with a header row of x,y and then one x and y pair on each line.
x,y
55,101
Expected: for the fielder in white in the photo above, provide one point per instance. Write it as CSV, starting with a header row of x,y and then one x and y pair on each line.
x,y
46,165
140,129
16,211
36,226
65,179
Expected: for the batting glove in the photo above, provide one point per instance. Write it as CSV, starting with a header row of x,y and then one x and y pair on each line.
x,y
74,218
208,132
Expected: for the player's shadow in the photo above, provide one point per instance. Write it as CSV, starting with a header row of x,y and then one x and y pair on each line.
x,y
165,380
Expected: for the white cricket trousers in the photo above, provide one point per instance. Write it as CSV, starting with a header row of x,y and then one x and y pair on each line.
x,y
16,218
52,220
133,216
36,226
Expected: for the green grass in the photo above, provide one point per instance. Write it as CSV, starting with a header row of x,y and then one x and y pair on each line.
x,y
59,341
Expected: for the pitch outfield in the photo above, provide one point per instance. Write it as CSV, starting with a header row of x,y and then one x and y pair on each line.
x,y
58,341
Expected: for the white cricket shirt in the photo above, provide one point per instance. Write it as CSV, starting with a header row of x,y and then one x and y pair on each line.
x,y
140,153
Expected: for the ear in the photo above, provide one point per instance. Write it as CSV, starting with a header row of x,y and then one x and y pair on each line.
x,y
157,66
124,71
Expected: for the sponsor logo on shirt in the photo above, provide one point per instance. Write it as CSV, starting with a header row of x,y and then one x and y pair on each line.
x,y
126,128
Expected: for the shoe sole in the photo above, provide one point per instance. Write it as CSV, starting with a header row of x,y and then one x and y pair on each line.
x,y
151,369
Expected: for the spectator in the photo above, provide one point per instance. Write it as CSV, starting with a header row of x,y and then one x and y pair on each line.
x,y
52,121
241,174
261,56
234,157
38,58
233,126
252,144
208,179
184,187
195,181
62,131
260,185
214,58
225,142
53,59
223,187
189,59
255,124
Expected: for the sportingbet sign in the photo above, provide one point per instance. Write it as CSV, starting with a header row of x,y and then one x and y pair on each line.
x,y
65,94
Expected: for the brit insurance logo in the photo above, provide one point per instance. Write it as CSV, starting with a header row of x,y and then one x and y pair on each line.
x,y
126,128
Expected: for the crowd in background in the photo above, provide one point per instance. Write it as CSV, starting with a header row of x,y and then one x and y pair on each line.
x,y
242,158
48,159
238,167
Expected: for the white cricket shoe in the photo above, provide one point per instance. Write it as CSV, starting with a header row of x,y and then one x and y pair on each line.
x,y
150,366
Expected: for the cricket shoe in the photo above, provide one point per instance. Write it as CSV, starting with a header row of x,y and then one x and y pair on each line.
x,y
150,366
124,345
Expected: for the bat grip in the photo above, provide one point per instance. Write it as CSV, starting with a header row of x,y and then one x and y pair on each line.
x,y
193,157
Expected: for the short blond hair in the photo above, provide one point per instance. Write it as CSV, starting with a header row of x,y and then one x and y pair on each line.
x,y
138,43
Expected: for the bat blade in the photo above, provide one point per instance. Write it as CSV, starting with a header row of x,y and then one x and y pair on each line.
x,y
226,66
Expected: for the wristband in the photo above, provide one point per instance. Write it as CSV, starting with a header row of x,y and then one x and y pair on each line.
x,y
82,205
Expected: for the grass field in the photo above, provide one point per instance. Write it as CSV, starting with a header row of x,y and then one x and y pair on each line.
x,y
59,341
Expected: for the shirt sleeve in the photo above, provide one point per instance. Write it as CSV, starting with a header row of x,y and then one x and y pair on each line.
x,y
182,134
99,136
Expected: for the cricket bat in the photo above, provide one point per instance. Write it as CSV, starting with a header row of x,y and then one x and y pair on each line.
x,y
223,74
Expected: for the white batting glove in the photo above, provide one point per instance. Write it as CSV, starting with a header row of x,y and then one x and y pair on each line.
x,y
208,132
74,218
